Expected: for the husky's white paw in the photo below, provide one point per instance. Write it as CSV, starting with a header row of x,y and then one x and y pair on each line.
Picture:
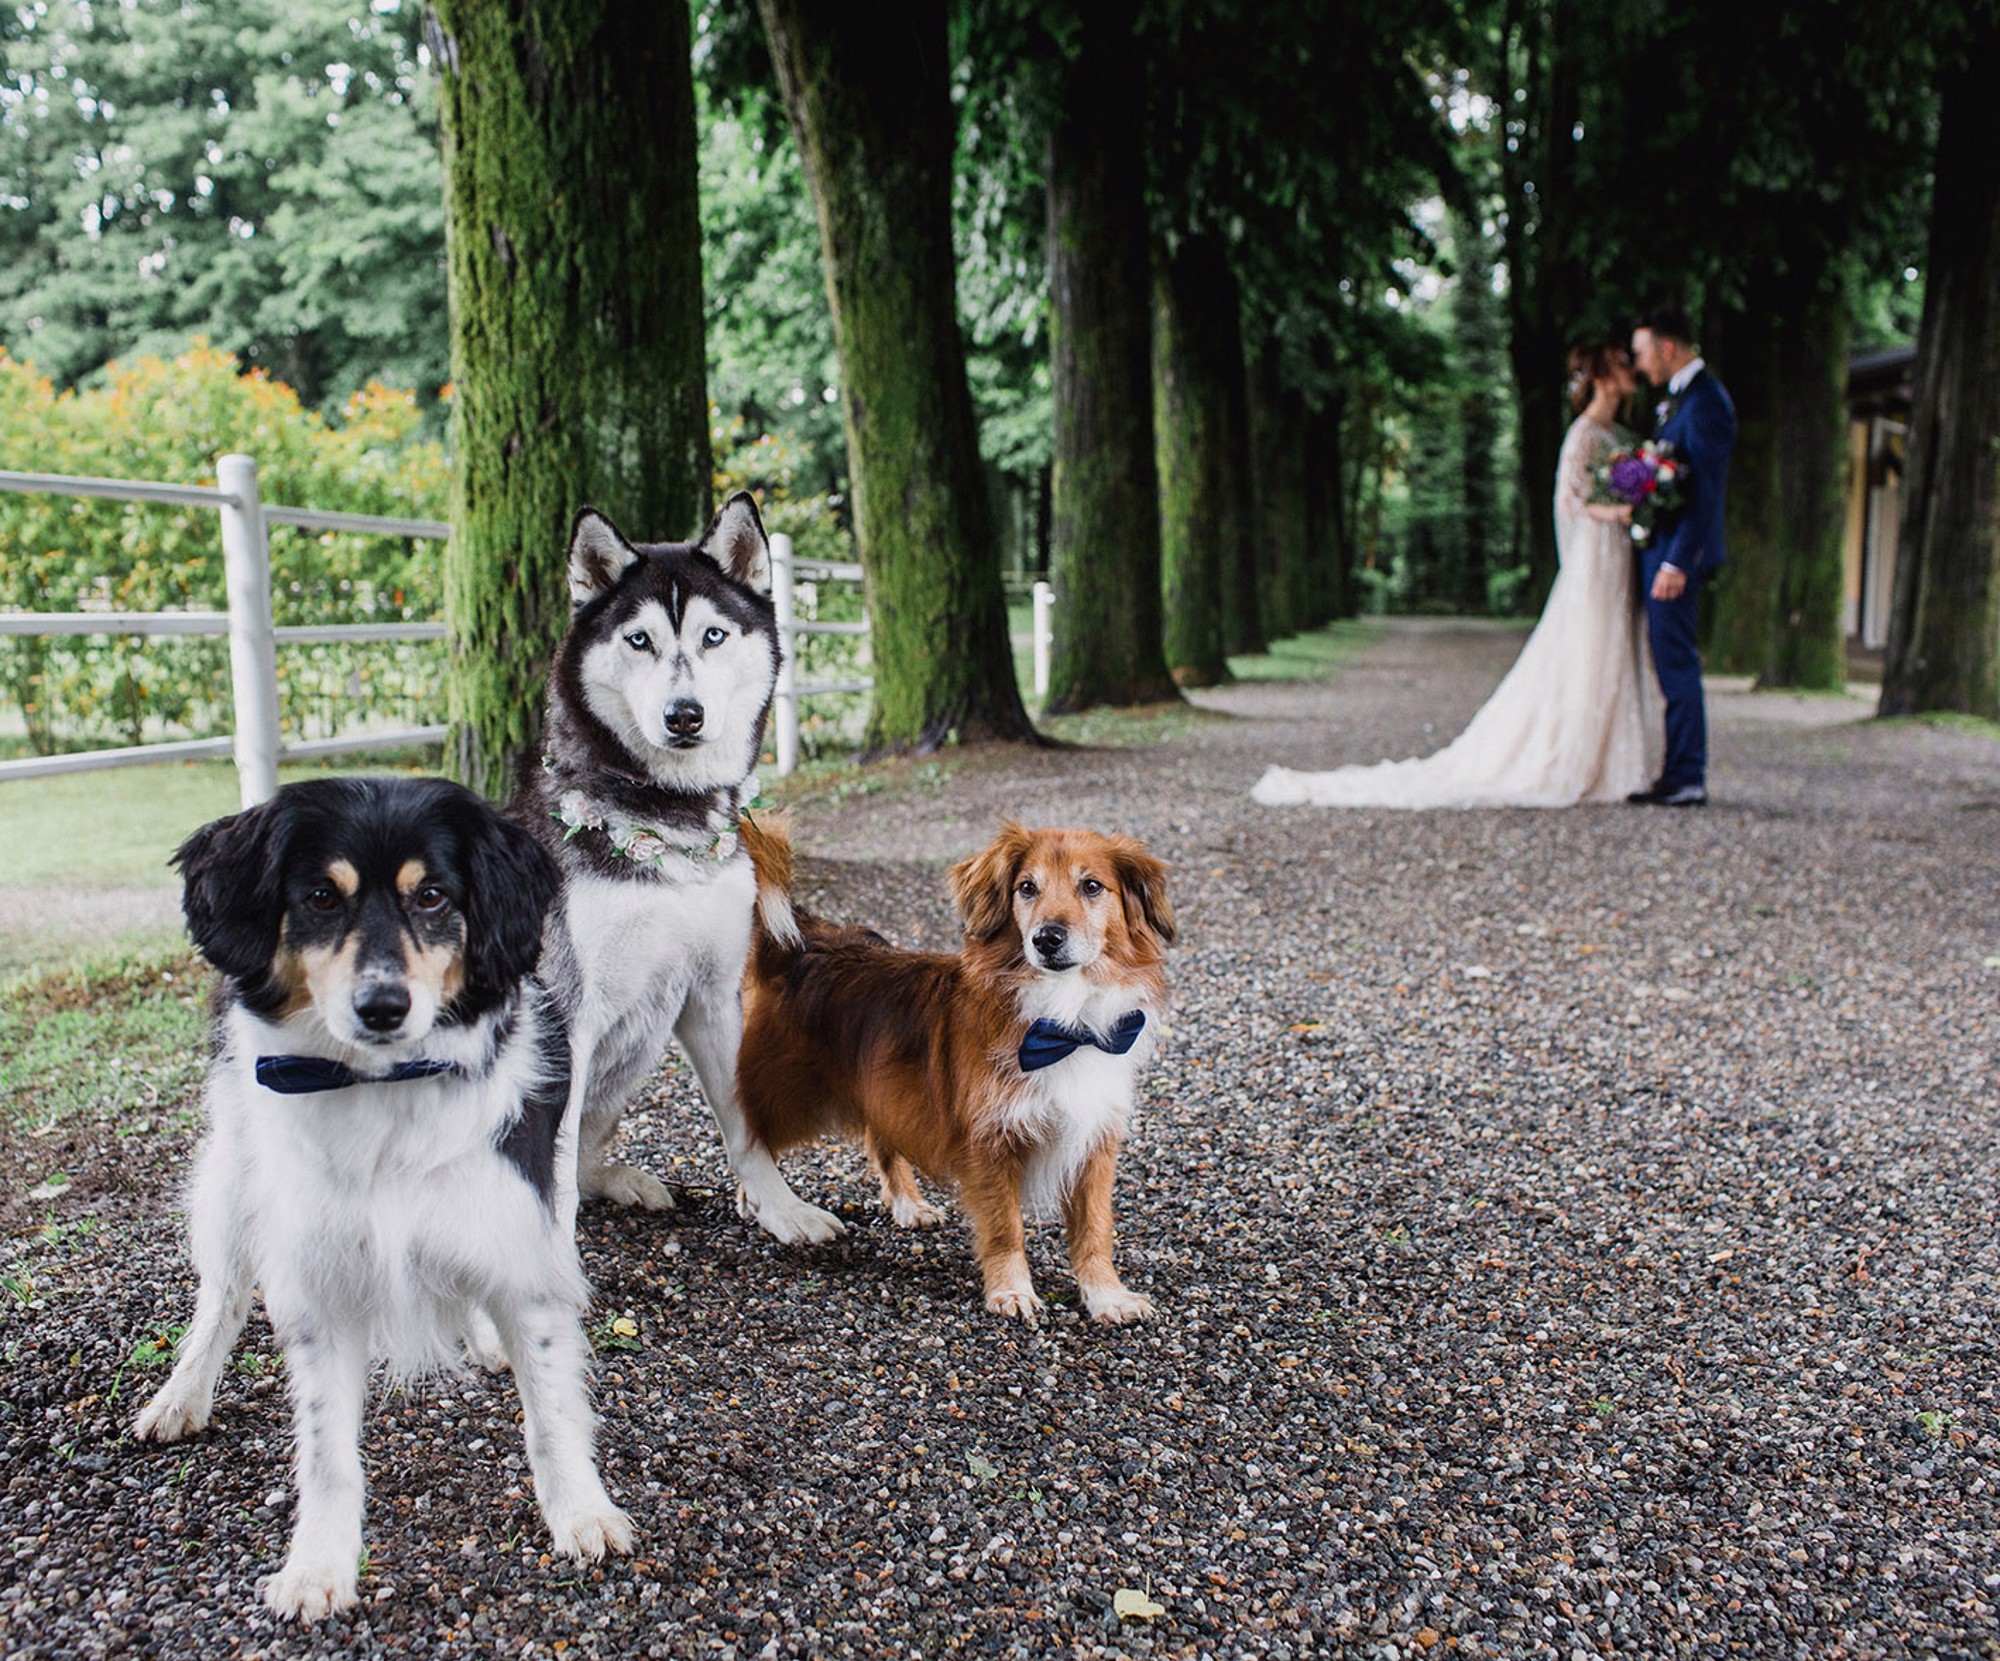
x,y
480,1339
1016,1303
310,1591
796,1224
1115,1306
626,1185
914,1213
589,1535
170,1415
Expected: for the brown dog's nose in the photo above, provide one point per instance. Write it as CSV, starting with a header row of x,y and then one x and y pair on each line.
x,y
684,717
1050,939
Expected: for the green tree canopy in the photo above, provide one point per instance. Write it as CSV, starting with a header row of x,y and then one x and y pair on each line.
x,y
262,173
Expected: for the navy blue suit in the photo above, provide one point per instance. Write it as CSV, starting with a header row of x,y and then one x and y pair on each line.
x,y
1701,427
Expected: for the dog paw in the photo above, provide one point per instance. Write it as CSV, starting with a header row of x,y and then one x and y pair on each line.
x,y
480,1339
627,1185
169,1416
591,1535
914,1213
1016,1304
796,1224
310,1591
1115,1306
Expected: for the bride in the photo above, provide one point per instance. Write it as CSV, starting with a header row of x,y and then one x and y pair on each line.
x,y
1566,725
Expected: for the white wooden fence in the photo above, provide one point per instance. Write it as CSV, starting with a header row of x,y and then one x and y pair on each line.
x,y
254,638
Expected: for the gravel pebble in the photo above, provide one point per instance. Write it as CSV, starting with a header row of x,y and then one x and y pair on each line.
x,y
1574,1235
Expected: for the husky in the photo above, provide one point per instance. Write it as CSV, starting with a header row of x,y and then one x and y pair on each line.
x,y
656,709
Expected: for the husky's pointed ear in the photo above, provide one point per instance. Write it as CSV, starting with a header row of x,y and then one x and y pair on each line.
x,y
598,557
736,542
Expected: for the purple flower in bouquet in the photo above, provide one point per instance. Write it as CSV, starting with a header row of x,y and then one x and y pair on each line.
x,y
1648,478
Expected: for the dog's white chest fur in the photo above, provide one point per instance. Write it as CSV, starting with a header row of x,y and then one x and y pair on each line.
x,y
646,945
1073,1107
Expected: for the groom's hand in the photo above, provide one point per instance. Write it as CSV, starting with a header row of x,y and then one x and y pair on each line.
x,y
1669,583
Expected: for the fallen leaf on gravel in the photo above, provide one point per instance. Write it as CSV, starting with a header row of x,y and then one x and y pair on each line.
x,y
981,1467
1308,1026
50,1189
1133,1605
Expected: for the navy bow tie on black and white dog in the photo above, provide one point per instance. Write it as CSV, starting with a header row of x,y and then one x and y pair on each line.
x,y
1048,1042
306,1075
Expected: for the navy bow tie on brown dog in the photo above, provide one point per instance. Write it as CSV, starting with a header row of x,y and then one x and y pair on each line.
x,y
1048,1042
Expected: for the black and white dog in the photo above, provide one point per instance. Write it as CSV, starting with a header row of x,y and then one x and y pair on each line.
x,y
656,709
386,1157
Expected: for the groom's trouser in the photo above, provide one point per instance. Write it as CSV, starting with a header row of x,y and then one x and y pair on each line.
x,y
1670,624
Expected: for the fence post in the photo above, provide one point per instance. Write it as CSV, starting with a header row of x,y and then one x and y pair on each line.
x,y
1045,637
786,704
253,644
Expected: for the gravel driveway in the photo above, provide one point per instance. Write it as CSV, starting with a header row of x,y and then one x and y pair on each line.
x,y
1575,1234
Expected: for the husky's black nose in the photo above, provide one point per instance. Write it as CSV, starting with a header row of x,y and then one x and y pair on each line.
x,y
381,1006
1050,940
684,718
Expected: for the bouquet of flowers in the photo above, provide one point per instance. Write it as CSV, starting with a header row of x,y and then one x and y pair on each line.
x,y
1650,479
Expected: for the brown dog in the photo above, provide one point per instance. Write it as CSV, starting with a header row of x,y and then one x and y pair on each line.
x,y
1009,1070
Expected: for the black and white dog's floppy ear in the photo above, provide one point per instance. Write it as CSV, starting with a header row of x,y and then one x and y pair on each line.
x,y
598,557
736,542
512,883
232,890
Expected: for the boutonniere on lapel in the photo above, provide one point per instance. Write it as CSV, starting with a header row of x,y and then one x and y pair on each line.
x,y
1663,411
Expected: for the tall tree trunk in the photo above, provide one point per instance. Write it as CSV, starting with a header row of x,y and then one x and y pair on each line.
x,y
1105,557
576,327
1944,630
1545,290
1807,646
865,86
1198,416
1326,532
1278,465
1743,348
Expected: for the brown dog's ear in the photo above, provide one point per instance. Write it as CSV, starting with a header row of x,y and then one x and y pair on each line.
x,y
1142,883
982,887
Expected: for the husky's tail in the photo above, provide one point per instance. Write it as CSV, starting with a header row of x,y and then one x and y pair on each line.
x,y
768,842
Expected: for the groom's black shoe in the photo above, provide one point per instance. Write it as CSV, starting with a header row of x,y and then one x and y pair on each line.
x,y
1677,795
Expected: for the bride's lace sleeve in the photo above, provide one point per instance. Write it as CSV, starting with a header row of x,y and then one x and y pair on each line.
x,y
1573,470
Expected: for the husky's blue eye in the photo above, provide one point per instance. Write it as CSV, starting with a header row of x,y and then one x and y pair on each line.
x,y
639,640
713,636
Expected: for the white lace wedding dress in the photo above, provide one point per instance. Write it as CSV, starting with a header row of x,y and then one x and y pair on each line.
x,y
1567,724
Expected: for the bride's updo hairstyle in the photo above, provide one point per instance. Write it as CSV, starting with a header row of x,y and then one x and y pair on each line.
x,y
1588,364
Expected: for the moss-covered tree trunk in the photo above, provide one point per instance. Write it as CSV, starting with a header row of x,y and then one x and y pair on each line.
x,y
1205,541
1546,283
1944,630
1104,554
1278,465
1743,349
865,86
1808,647
576,327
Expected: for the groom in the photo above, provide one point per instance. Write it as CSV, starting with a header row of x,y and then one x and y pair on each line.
x,y
1698,420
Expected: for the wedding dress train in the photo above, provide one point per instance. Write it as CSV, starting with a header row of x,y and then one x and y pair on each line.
x,y
1567,724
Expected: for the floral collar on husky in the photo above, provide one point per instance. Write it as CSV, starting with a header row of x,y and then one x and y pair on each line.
x,y
644,845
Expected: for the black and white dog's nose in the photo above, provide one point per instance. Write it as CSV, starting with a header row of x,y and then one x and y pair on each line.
x,y
1050,939
382,1006
684,717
